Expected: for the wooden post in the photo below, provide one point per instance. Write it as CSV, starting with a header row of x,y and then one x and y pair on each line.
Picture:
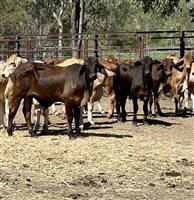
x,y
182,44
85,47
96,45
28,47
141,48
17,45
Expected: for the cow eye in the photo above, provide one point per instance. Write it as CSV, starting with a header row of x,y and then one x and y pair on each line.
x,y
12,63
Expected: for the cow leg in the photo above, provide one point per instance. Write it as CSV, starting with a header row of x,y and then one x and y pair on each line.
x,y
6,117
151,103
186,99
135,109
81,121
54,110
27,114
2,114
176,105
37,114
123,112
46,120
145,110
77,119
90,109
118,110
69,112
100,107
63,114
13,107
111,101
120,102
157,105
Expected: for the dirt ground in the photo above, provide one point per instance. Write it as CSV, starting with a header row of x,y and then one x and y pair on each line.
x,y
110,161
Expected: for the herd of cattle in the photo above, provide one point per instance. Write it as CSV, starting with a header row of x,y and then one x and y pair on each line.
x,y
79,83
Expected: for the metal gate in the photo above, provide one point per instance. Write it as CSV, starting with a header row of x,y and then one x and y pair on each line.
x,y
129,45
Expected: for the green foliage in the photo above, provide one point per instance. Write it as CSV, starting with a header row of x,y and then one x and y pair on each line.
x,y
26,17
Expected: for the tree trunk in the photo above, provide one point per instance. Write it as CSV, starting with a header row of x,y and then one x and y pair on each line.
x,y
80,30
77,17
60,24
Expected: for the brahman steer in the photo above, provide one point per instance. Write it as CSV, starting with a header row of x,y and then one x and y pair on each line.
x,y
97,90
161,73
133,81
49,84
179,81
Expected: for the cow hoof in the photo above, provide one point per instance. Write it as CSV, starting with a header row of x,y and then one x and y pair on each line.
x,y
81,127
33,134
161,114
146,124
72,137
10,134
44,132
92,123
124,119
102,112
109,116
135,124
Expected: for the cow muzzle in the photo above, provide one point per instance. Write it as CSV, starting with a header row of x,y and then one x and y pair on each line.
x,y
92,77
5,75
168,73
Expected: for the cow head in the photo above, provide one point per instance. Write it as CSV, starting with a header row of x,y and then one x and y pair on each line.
x,y
148,62
91,66
167,66
110,63
188,59
11,63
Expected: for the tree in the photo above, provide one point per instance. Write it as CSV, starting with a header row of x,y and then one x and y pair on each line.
x,y
77,18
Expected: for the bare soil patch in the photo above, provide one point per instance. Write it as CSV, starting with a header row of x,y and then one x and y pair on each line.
x,y
109,161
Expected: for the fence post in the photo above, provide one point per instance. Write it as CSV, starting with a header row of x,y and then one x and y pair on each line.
x,y
141,48
17,45
96,45
182,44
28,44
85,47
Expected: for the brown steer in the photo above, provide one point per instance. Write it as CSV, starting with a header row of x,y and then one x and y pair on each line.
x,y
49,84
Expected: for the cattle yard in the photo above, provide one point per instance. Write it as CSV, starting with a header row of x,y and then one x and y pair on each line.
x,y
109,161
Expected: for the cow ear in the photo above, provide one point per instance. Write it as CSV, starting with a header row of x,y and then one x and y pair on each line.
x,y
100,67
160,66
82,69
177,65
180,63
156,61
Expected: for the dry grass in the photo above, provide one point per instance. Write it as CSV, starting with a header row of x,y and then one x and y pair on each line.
x,y
110,161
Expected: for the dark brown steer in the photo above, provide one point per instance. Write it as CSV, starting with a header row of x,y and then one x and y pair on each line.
x,y
132,81
48,84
